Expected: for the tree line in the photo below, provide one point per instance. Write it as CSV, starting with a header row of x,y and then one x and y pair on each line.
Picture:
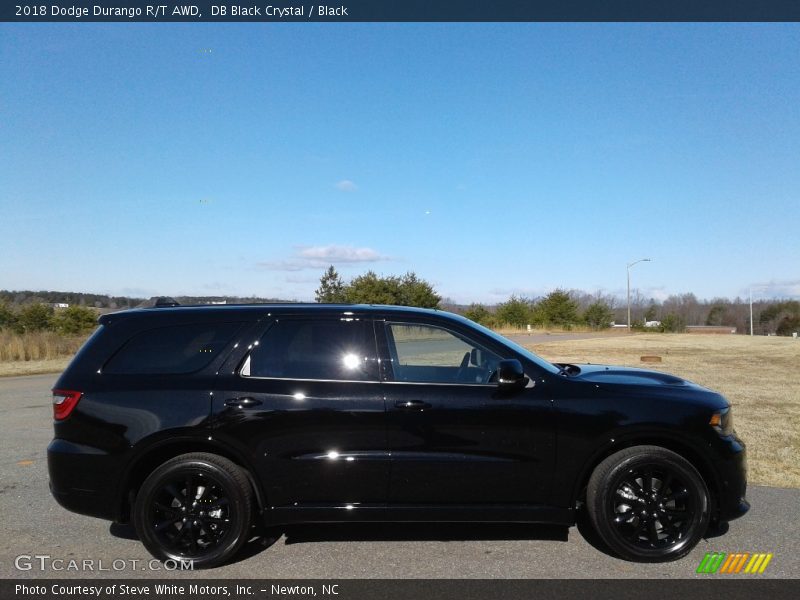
x,y
24,297
22,311
570,308
74,320
18,298
557,309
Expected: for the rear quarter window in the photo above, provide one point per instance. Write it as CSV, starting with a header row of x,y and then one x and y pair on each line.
x,y
171,350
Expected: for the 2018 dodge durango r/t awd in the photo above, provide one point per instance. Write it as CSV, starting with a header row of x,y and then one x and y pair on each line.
x,y
194,422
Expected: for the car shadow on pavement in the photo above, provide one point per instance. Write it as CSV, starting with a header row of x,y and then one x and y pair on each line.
x,y
388,532
264,537
123,531
586,529
440,532
261,538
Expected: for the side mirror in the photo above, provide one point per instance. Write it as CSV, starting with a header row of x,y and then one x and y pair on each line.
x,y
510,374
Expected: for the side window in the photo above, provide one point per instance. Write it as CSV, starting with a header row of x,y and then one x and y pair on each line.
x,y
315,349
171,350
430,354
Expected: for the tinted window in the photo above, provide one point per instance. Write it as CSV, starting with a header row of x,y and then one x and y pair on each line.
x,y
170,350
425,353
315,349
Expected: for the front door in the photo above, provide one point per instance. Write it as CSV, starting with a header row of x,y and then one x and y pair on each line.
x,y
454,437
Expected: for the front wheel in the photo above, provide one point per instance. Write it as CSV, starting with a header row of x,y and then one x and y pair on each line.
x,y
195,507
648,504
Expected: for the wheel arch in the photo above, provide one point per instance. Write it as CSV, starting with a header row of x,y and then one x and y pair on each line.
x,y
149,459
681,447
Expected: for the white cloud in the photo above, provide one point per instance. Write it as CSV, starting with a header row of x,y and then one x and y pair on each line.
x,y
775,289
335,253
316,257
345,185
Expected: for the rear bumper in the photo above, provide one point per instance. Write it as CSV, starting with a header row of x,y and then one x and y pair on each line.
x,y
82,479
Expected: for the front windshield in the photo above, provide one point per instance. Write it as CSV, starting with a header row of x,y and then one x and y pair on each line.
x,y
534,358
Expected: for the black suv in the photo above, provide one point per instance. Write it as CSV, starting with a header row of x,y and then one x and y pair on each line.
x,y
198,422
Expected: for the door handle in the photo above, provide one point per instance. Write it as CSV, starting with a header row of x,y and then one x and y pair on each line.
x,y
412,405
242,402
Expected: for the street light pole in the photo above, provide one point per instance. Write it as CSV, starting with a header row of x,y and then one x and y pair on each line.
x,y
629,287
751,306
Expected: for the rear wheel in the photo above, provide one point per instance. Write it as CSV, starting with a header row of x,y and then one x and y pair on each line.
x,y
194,507
648,504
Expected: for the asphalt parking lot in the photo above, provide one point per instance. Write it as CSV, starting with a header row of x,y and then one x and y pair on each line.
x,y
34,525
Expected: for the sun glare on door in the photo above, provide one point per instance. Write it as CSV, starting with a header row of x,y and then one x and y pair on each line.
x,y
350,361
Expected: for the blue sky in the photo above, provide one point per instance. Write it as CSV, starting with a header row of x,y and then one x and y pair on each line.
x,y
489,158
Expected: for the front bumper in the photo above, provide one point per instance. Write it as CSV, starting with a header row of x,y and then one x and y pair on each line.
x,y
732,470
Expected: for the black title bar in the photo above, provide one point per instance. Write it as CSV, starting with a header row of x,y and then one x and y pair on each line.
x,y
152,11
722,588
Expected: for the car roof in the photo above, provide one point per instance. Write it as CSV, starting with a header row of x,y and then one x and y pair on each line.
x,y
225,311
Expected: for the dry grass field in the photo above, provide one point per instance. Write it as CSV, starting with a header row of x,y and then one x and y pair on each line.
x,y
36,352
760,376
33,367
510,330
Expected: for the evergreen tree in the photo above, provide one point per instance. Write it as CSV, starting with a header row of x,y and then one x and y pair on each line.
x,y
598,315
558,308
331,287
479,314
516,311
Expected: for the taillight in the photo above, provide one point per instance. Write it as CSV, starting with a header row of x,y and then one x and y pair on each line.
x,y
64,401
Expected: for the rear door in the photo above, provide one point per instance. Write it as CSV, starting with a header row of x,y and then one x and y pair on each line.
x,y
304,405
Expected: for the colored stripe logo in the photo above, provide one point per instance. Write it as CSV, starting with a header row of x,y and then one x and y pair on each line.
x,y
735,562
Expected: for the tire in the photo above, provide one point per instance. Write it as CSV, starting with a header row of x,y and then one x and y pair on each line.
x,y
648,504
194,507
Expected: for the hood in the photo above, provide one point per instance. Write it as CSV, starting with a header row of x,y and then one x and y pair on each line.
x,y
606,374
643,384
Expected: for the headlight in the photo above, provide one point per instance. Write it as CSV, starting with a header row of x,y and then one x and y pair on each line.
x,y
722,421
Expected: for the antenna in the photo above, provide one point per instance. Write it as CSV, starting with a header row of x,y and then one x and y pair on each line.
x,y
165,302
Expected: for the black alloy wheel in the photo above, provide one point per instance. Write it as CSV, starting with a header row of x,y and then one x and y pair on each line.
x,y
648,504
194,507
